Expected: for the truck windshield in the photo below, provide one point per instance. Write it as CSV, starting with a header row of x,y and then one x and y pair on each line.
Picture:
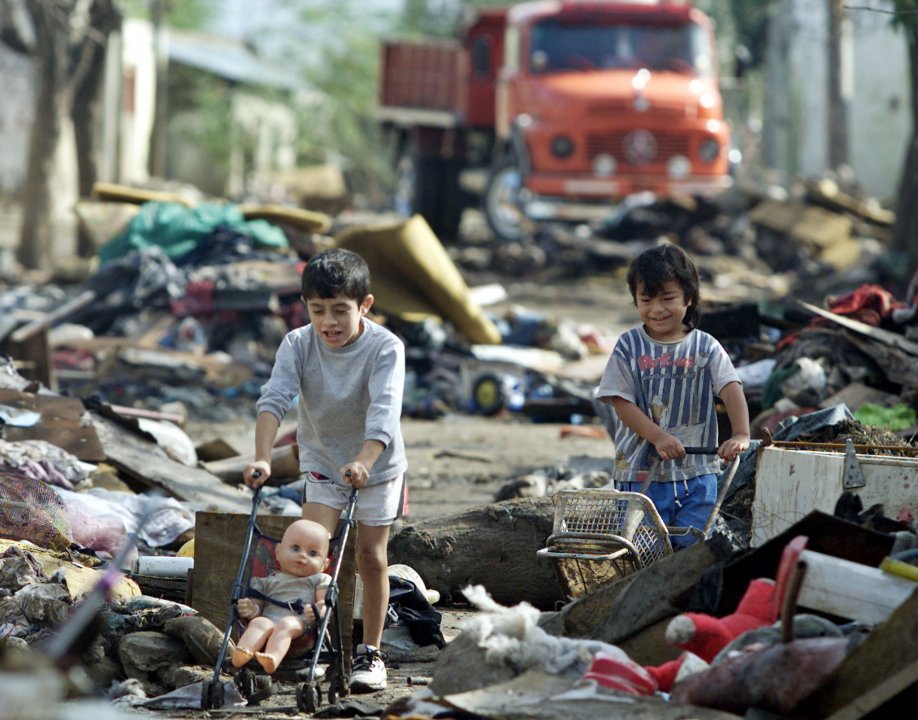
x,y
563,46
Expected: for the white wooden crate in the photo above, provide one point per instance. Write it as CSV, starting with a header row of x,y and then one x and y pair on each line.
x,y
789,484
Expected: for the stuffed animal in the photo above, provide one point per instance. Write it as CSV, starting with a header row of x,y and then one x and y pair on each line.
x,y
703,636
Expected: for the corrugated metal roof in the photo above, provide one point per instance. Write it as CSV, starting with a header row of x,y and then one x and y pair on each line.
x,y
227,58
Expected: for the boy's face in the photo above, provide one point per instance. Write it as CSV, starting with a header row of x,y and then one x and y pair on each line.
x,y
303,551
338,320
663,314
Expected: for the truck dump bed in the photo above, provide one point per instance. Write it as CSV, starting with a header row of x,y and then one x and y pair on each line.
x,y
429,77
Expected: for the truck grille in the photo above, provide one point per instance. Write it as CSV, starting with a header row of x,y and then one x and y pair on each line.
x,y
614,144
617,108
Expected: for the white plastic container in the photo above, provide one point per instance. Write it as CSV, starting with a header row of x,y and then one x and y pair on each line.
x,y
162,566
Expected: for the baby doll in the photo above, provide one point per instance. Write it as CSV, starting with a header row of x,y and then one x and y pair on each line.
x,y
289,601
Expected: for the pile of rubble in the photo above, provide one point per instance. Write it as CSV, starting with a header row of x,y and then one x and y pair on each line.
x,y
181,315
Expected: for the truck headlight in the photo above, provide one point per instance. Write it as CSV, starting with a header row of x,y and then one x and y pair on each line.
x,y
709,151
562,146
603,165
678,167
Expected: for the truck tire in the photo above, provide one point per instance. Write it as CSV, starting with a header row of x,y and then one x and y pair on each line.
x,y
502,207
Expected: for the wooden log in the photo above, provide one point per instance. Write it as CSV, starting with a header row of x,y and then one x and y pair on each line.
x,y
285,464
491,545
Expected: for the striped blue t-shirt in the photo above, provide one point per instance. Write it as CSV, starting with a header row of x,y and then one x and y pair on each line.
x,y
675,384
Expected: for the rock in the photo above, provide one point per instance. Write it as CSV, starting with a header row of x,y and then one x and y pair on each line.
x,y
200,635
144,653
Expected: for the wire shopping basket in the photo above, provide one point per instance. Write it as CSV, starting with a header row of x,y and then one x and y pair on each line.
x,y
601,535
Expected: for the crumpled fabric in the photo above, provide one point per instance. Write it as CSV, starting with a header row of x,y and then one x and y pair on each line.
x,y
178,230
511,636
43,461
870,304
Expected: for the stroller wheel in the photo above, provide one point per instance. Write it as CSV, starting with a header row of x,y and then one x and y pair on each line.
x,y
211,694
307,697
245,681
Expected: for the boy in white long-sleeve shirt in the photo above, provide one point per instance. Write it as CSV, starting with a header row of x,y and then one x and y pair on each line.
x,y
349,374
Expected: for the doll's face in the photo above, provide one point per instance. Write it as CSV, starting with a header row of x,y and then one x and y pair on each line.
x,y
303,551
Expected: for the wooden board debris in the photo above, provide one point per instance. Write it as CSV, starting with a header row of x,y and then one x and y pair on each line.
x,y
885,336
148,465
219,539
61,424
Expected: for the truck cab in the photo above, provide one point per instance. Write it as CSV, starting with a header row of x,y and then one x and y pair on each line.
x,y
555,110
599,100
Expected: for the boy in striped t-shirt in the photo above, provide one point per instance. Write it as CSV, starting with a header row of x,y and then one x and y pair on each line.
x,y
662,379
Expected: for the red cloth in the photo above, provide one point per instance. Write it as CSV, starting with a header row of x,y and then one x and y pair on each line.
x,y
870,304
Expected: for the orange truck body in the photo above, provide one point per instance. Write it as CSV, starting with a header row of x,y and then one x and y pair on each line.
x,y
568,106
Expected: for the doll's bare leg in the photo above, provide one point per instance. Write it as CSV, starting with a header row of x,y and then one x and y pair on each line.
x,y
253,639
285,632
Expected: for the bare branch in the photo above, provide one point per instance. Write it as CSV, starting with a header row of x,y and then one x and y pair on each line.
x,y
16,29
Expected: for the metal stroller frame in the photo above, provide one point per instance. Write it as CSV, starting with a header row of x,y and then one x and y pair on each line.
x,y
599,535
327,648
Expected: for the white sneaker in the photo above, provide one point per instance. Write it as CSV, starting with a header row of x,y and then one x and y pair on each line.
x,y
368,670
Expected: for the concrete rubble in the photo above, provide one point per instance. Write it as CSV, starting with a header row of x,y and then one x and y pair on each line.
x,y
180,314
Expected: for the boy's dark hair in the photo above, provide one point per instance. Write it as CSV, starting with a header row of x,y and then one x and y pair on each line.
x,y
661,264
336,272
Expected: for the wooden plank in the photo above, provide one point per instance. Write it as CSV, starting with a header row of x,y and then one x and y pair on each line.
x,y
885,336
148,464
851,589
48,319
285,464
856,394
884,665
60,424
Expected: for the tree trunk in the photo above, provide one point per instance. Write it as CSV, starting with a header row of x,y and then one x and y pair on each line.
x,y
52,103
905,233
86,113
63,58
491,545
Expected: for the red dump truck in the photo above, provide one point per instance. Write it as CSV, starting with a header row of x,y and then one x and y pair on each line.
x,y
554,110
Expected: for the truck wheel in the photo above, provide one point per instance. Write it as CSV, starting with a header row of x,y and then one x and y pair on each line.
x,y
502,206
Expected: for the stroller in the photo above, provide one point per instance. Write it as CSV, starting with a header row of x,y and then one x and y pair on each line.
x,y
256,685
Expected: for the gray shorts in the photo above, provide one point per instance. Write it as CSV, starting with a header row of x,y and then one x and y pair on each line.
x,y
377,505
